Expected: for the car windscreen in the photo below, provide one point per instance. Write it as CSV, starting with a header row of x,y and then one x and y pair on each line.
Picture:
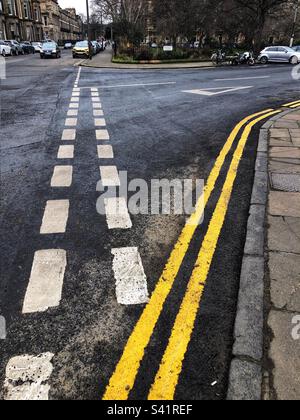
x,y
49,45
83,44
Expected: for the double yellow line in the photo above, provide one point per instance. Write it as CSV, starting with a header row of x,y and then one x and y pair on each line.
x,y
164,386
293,105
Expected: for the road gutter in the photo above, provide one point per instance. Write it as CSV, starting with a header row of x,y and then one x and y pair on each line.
x,y
247,370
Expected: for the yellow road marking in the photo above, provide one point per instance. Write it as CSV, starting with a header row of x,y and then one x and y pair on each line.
x,y
292,103
167,376
295,106
123,378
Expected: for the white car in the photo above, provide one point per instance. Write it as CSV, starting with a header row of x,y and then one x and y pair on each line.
x,y
37,46
279,55
4,49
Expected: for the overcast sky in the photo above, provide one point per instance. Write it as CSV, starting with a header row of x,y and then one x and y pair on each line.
x,y
80,5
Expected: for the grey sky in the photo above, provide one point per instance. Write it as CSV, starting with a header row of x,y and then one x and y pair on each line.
x,y
80,5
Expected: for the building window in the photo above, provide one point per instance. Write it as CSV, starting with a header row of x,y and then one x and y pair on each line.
x,y
46,20
27,13
11,7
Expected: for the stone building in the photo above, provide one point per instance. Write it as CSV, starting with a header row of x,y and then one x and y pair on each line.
x,y
21,20
60,25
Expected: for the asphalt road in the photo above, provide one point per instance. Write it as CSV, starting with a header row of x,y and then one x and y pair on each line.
x,y
158,130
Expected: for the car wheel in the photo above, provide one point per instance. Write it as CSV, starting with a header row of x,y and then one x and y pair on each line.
x,y
294,60
264,60
3,53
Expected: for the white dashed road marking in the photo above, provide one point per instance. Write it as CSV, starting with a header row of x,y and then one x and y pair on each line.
x,y
66,152
105,152
62,176
97,105
98,113
100,122
74,105
46,281
117,215
71,122
72,113
95,99
69,134
109,176
55,217
27,376
102,135
131,281
74,99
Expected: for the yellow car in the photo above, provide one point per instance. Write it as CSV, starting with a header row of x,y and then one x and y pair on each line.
x,y
81,49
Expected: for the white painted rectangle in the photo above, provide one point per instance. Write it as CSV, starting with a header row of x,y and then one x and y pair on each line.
x,y
27,376
74,99
94,89
95,95
76,89
71,122
75,94
69,134
96,100
117,215
97,106
102,135
73,105
55,217
72,113
65,152
46,281
105,152
131,281
98,113
110,176
100,122
62,176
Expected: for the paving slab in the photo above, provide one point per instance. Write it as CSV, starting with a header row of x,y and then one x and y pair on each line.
x,y
284,271
284,166
284,203
283,234
285,182
285,152
284,353
245,381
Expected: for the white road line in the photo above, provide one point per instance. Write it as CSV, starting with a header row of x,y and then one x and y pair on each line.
x,y
74,99
95,95
117,216
27,376
74,94
132,85
72,113
102,135
69,134
212,91
94,89
131,281
62,176
74,105
96,100
97,105
55,217
76,89
46,281
105,152
65,152
110,176
242,78
100,122
71,122
98,113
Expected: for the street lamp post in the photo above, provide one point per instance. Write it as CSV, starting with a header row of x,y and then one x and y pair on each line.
x,y
294,23
89,28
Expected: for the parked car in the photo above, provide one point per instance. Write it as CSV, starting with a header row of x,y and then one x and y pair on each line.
x,y
37,46
15,46
27,47
297,48
81,49
279,55
68,46
96,47
5,49
50,49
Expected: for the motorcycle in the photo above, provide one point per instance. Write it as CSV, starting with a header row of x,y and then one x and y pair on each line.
x,y
244,58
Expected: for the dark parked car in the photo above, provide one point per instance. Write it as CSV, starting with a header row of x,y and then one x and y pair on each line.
x,y
27,47
50,49
297,48
15,47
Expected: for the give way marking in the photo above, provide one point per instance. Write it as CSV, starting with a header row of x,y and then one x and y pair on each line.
x,y
216,91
